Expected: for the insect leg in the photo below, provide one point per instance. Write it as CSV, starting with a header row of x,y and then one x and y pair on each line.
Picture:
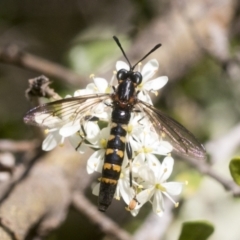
x,y
132,204
82,133
129,155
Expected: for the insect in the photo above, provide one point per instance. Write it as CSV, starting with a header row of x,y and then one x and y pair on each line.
x,y
124,101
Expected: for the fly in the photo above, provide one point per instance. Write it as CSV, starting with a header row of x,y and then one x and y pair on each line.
x,y
123,101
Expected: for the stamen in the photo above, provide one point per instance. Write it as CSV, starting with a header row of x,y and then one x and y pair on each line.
x,y
155,93
46,131
117,197
92,76
61,144
171,199
139,66
103,143
112,79
147,149
160,187
164,171
129,128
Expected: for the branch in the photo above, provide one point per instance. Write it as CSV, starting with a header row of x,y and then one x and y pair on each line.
x,y
18,146
13,55
150,228
42,198
204,168
104,223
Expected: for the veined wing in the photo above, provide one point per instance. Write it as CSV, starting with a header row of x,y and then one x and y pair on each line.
x,y
60,112
183,141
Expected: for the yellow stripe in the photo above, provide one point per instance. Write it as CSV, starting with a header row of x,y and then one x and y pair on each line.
x,y
107,166
111,137
108,180
109,151
114,167
124,126
119,153
123,139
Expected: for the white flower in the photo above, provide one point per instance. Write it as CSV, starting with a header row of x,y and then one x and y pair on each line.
x,y
52,140
148,146
99,85
156,186
82,127
148,70
95,162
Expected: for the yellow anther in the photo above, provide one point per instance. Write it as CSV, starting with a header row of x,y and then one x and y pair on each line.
x,y
46,131
147,149
108,89
129,128
103,143
92,76
160,187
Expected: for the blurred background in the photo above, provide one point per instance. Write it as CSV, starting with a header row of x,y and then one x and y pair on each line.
x,y
68,40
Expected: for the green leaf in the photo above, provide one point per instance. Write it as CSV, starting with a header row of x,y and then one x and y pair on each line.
x,y
197,230
234,167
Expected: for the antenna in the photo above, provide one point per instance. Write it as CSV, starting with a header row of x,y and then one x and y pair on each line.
x,y
155,48
124,54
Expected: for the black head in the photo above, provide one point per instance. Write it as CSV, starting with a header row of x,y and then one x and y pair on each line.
x,y
124,74
135,77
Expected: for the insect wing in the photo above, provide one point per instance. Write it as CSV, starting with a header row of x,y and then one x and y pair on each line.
x,y
183,141
60,112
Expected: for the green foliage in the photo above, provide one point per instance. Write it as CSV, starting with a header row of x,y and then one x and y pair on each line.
x,y
197,230
234,167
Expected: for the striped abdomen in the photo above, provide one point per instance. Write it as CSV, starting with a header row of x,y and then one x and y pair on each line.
x,y
113,158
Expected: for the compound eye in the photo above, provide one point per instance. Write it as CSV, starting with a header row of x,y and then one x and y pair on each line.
x,y
122,74
136,78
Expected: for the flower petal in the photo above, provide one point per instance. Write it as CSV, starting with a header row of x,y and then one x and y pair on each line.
x,y
69,129
101,84
51,141
96,189
144,196
166,168
92,129
158,203
95,162
144,96
156,84
162,148
147,174
173,188
149,69
152,161
122,65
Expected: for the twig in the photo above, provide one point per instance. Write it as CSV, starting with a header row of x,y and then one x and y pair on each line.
x,y
18,146
150,228
96,217
13,55
204,168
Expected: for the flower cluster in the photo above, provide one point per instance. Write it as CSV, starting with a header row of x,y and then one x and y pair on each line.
x,y
152,163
